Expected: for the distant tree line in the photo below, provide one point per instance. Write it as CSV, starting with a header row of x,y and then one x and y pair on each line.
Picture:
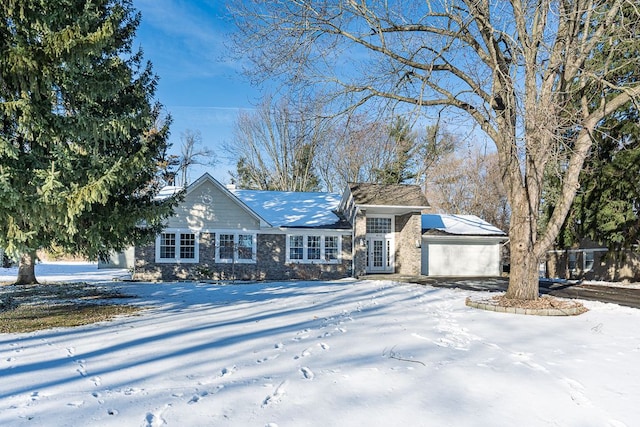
x,y
288,146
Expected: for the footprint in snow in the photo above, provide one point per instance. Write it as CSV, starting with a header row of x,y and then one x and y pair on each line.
x,y
155,419
276,396
576,391
228,371
81,370
308,373
196,397
306,352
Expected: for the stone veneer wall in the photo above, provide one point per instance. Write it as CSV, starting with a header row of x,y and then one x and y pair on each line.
x,y
270,263
408,254
359,249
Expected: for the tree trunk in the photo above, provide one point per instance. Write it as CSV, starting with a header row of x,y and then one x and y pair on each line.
x,y
27,269
523,275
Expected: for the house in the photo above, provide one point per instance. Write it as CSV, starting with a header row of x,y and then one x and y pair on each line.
x,y
386,229
224,233
461,245
590,261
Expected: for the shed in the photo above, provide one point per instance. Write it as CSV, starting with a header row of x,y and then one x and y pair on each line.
x,y
460,246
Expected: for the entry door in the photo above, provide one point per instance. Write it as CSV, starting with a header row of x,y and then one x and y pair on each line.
x,y
379,255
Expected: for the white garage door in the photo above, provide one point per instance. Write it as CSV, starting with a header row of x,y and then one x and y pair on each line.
x,y
460,259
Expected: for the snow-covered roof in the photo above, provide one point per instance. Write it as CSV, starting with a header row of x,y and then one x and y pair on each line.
x,y
168,191
460,225
294,209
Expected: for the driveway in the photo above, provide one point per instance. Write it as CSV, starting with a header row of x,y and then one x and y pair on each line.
x,y
629,297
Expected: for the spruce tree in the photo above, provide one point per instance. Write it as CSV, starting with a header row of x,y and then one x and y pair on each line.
x,y
81,138
607,207
399,168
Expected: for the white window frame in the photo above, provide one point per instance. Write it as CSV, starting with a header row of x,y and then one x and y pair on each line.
x,y
236,238
177,259
305,250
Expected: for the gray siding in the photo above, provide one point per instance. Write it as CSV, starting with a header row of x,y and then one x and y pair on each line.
x,y
207,207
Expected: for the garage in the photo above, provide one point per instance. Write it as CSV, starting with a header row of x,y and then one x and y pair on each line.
x,y
460,246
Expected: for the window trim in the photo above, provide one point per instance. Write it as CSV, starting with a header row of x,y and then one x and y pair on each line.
x,y
177,242
306,249
373,218
236,238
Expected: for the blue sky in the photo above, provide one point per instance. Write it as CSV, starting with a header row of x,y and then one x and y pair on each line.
x,y
199,85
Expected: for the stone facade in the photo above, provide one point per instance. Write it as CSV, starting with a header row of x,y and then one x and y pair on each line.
x,y
270,263
359,247
408,238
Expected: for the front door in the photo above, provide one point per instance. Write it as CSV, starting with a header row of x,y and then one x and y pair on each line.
x,y
379,255
380,247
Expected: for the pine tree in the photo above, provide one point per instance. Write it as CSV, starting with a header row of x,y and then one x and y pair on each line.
x,y
606,208
80,139
399,168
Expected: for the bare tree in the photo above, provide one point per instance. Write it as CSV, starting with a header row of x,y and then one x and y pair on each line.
x,y
355,149
514,67
193,153
275,146
468,182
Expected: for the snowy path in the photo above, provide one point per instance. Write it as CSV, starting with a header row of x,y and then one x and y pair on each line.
x,y
352,353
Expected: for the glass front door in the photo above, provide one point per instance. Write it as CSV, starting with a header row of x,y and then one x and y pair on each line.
x,y
379,255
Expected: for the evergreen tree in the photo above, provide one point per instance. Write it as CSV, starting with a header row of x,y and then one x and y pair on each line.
x,y
606,208
399,169
80,143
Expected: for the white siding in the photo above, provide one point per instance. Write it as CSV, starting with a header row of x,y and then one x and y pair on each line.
x,y
207,207
460,258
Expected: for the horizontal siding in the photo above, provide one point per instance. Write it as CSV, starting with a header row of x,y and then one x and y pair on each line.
x,y
208,207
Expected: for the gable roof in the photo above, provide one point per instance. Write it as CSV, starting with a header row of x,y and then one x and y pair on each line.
x,y
368,194
295,209
459,225
208,178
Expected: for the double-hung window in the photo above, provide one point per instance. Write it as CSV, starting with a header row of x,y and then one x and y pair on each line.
x,y
177,246
235,247
331,248
313,248
296,248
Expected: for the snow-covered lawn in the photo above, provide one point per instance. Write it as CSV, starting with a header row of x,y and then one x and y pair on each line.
x,y
344,353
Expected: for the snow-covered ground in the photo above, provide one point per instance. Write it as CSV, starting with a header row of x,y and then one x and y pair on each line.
x,y
343,353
